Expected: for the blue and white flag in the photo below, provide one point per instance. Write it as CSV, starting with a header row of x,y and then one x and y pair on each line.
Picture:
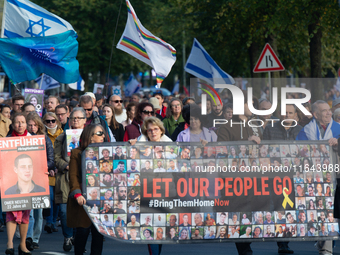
x,y
79,85
26,19
24,59
176,88
201,65
311,131
46,82
116,90
131,86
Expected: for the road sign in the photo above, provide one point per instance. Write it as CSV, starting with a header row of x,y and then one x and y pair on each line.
x,y
268,61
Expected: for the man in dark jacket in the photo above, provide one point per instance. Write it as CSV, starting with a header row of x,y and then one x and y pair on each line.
x,y
287,132
240,132
92,117
237,129
216,113
280,132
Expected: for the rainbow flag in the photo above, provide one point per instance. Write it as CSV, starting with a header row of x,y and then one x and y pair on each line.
x,y
143,45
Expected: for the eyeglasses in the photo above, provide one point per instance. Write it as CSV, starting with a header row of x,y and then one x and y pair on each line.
x,y
50,121
117,101
77,118
99,133
60,114
148,112
152,131
88,110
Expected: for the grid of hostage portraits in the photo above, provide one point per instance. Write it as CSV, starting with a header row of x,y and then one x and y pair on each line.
x,y
113,191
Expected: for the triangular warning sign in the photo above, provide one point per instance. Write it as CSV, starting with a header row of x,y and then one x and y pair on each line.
x,y
268,61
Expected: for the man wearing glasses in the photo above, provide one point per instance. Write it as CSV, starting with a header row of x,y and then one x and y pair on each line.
x,y
62,114
117,104
92,117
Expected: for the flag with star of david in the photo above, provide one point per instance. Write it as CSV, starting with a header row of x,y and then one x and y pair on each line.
x,y
23,18
131,86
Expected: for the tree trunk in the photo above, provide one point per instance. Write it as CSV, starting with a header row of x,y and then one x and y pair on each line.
x,y
255,83
276,82
317,88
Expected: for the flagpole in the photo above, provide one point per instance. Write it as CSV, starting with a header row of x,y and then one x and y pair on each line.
x,y
113,44
3,20
42,78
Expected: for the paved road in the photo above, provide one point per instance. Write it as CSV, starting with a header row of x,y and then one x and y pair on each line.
x,y
53,244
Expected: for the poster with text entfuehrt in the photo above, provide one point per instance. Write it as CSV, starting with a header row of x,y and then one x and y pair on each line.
x,y
24,182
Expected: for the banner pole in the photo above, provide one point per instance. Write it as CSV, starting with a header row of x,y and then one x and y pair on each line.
x,y
3,20
270,87
42,78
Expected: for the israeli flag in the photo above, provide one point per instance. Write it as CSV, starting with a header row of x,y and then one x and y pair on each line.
x,y
46,82
202,66
79,85
26,19
131,86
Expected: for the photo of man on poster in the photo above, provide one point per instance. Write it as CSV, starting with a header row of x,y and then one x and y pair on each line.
x,y
23,167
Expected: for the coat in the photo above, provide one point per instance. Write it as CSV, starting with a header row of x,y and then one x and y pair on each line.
x,y
171,124
76,215
53,138
143,138
132,131
62,188
4,125
278,132
209,135
118,133
236,132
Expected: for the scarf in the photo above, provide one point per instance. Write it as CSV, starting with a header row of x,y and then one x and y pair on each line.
x,y
313,132
16,134
52,130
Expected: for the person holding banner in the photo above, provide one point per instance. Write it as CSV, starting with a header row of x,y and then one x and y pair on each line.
x,y
76,215
153,131
76,121
196,132
238,133
20,218
322,127
36,127
53,127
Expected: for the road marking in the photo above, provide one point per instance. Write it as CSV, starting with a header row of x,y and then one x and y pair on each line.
x,y
54,253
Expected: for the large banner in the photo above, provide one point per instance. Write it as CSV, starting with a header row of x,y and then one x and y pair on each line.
x,y
24,182
230,191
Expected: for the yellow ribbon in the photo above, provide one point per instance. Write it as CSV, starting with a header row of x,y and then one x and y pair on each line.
x,y
287,199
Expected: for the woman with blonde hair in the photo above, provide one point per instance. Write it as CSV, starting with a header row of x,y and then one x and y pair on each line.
x,y
53,127
36,127
153,130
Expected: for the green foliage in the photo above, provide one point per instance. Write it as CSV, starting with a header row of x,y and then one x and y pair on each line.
x,y
231,31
